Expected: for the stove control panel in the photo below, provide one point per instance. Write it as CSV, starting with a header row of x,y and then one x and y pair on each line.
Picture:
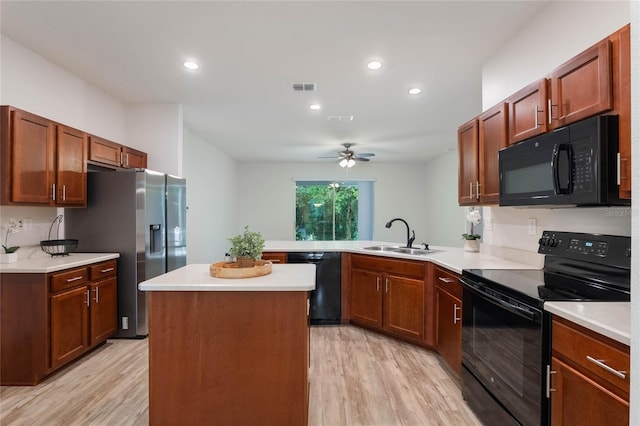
x,y
610,249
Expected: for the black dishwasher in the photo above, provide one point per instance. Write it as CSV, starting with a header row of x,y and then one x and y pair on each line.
x,y
325,299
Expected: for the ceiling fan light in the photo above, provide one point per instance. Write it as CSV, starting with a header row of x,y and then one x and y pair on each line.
x,y
343,162
351,162
374,65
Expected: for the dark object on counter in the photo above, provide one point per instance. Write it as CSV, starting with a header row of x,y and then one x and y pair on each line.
x,y
324,301
410,239
506,335
59,247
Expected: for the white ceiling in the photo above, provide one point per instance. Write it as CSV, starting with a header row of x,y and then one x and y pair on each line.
x,y
241,99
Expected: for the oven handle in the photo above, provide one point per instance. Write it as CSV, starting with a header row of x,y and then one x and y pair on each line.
x,y
505,305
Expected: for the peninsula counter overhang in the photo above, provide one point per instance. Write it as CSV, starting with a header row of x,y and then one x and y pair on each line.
x,y
195,277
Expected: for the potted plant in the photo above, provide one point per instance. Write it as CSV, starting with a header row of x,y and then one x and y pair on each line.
x,y
247,247
471,242
9,254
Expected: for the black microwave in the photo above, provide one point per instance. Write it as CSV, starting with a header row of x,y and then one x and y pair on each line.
x,y
572,166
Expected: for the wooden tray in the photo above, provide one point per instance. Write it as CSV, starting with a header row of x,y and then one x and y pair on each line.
x,y
232,270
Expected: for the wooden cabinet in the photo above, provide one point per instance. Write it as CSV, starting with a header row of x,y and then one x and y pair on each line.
x,y
492,137
103,151
68,313
589,377
43,163
275,257
621,60
390,295
527,109
581,87
468,180
448,316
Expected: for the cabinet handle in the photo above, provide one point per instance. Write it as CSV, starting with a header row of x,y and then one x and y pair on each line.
x,y
386,285
377,283
456,308
550,106
446,280
69,280
88,296
127,159
97,295
549,388
120,157
535,117
64,192
471,190
477,189
53,192
600,363
110,269
618,167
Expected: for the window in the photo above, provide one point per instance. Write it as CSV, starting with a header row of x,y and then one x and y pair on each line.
x,y
332,210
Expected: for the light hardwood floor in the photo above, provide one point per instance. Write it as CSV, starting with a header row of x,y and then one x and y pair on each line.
x,y
357,378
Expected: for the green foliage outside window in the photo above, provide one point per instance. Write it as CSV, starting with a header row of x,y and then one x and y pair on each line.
x,y
315,212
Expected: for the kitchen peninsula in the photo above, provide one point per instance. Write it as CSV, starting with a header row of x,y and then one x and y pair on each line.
x,y
233,350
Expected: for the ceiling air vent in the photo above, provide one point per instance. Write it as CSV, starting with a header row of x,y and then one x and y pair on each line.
x,y
304,87
340,117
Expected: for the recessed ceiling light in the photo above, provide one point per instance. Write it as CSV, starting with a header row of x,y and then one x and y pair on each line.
x,y
315,107
374,65
415,91
190,65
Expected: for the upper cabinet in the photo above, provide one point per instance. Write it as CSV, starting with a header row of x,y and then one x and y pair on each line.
x,y
596,81
111,153
43,163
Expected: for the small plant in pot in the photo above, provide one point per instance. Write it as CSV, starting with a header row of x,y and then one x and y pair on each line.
x,y
9,254
471,240
247,247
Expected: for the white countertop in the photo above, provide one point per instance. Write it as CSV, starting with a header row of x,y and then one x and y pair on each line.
x,y
42,263
195,277
452,258
611,319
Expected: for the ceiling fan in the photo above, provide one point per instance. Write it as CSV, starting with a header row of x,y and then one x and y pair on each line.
x,y
348,158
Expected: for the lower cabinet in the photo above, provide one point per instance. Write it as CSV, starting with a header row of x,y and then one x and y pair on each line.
x,y
589,377
448,318
275,256
69,313
389,295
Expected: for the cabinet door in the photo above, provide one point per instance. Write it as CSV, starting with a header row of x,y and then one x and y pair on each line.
x,y
275,257
578,400
104,151
582,87
468,163
28,158
69,325
621,58
449,328
71,176
528,112
492,137
103,310
132,158
366,298
404,306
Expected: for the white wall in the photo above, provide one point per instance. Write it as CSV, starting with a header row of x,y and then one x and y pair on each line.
x,y
157,130
532,53
211,198
266,196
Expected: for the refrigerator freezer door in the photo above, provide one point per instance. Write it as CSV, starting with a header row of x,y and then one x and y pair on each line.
x,y
176,222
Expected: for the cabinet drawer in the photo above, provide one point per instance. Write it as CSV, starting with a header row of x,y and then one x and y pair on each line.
x,y
581,347
103,270
447,280
68,279
377,263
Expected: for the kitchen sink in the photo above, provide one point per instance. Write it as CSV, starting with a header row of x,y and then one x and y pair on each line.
x,y
403,250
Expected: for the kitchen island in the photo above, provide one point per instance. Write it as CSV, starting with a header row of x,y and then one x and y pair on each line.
x,y
229,351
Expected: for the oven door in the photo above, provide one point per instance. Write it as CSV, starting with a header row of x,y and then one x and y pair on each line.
x,y
502,349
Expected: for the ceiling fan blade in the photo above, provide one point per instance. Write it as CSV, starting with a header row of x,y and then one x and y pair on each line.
x,y
360,159
366,154
333,157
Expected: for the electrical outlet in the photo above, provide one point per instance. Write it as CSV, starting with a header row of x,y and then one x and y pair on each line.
x,y
125,323
533,226
27,223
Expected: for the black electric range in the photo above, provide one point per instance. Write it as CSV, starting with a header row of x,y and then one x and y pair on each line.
x,y
506,337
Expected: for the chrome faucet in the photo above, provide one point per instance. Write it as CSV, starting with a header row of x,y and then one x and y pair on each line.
x,y
411,238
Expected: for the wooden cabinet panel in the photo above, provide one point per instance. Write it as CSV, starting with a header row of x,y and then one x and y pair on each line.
x,y
582,87
28,158
132,158
366,298
406,268
578,400
492,136
275,257
103,270
404,301
621,58
468,180
103,310
69,325
528,112
449,328
68,279
71,170
104,151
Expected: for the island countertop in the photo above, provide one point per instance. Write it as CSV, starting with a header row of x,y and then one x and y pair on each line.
x,y
195,277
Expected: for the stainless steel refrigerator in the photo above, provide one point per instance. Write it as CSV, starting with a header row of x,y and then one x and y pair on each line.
x,y
140,214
